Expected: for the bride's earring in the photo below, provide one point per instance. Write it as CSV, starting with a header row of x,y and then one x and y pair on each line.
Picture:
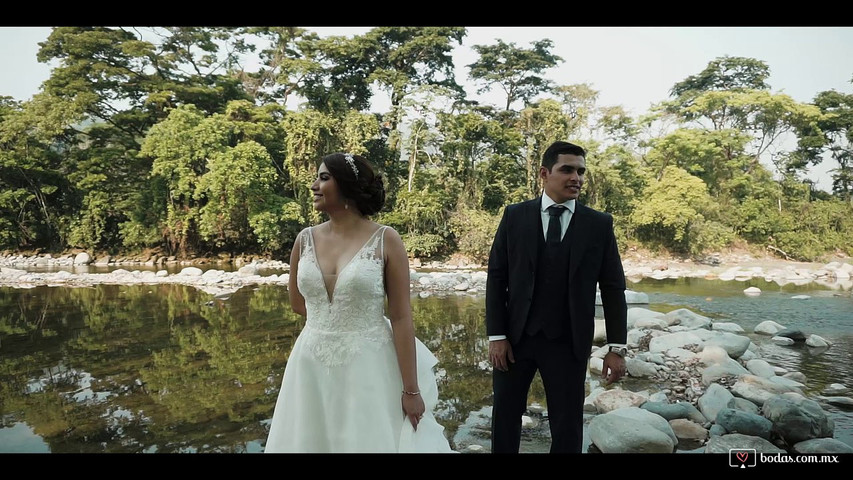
x,y
346,206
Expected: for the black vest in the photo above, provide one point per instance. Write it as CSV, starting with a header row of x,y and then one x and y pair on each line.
x,y
549,309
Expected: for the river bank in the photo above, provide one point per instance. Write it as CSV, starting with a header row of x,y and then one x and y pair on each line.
x,y
455,276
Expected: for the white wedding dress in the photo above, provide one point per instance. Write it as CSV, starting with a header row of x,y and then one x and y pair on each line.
x,y
342,386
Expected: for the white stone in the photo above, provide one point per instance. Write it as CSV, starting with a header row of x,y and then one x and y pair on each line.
x,y
635,298
636,313
651,323
190,272
82,258
674,340
687,318
800,297
817,341
769,327
596,365
734,345
760,368
727,327
713,355
751,291
600,333
614,399
680,354
782,340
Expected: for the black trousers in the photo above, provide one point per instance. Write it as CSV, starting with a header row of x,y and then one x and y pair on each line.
x,y
563,377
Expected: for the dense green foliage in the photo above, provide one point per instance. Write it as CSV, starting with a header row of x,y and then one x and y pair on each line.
x,y
162,138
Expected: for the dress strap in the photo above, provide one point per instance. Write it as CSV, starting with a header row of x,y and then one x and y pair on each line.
x,y
382,242
307,239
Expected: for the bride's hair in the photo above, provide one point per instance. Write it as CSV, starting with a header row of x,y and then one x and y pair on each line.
x,y
358,180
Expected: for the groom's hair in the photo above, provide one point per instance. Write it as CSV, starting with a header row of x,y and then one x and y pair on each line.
x,y
549,158
359,181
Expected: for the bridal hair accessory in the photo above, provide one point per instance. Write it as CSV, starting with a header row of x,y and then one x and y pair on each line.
x,y
351,163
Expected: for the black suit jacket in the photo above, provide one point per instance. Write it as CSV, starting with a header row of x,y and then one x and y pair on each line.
x,y
594,259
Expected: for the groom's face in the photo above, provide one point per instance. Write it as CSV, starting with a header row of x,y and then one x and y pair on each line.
x,y
565,179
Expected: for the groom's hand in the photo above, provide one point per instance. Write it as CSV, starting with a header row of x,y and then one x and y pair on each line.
x,y
614,368
500,354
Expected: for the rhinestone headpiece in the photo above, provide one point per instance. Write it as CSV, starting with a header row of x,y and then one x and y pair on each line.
x,y
351,163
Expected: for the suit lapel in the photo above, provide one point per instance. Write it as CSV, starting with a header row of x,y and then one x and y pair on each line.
x,y
533,223
579,237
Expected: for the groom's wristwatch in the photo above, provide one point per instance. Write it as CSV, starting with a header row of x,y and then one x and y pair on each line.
x,y
621,351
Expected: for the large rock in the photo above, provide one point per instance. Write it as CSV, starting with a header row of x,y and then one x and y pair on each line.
x,y
760,368
636,313
793,334
738,441
613,433
680,354
715,398
744,405
821,445
737,421
640,369
651,323
817,341
713,355
731,368
674,411
82,258
599,335
796,418
648,417
758,390
616,399
727,327
734,345
674,340
783,340
690,435
190,272
786,382
769,327
687,318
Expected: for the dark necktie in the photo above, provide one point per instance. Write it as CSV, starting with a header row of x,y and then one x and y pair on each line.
x,y
554,225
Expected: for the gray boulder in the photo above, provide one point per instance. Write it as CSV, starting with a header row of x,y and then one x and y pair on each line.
x,y
674,411
744,405
612,433
690,434
793,334
796,418
822,445
760,368
737,421
715,399
734,345
724,443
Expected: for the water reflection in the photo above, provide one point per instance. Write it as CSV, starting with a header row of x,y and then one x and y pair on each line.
x,y
167,368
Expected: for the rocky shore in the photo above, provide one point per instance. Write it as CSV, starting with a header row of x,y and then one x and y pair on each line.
x,y
434,278
693,384
696,386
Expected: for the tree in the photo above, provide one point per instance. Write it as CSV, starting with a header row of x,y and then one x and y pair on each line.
x,y
837,126
517,71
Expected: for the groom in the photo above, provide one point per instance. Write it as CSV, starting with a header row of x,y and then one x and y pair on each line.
x,y
546,259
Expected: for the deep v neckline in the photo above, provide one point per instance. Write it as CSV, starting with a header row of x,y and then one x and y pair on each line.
x,y
331,298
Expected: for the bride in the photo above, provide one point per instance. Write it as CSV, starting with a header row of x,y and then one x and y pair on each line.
x,y
356,380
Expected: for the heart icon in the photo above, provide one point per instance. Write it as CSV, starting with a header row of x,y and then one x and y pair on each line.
x,y
742,456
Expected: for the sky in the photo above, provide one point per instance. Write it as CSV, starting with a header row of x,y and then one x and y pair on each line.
x,y
634,67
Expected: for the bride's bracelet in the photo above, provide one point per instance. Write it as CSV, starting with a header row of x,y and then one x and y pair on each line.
x,y
412,393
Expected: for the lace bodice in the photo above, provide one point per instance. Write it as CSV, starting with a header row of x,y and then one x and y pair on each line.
x,y
350,317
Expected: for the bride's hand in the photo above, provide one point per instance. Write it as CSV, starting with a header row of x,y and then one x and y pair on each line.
x,y
414,408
